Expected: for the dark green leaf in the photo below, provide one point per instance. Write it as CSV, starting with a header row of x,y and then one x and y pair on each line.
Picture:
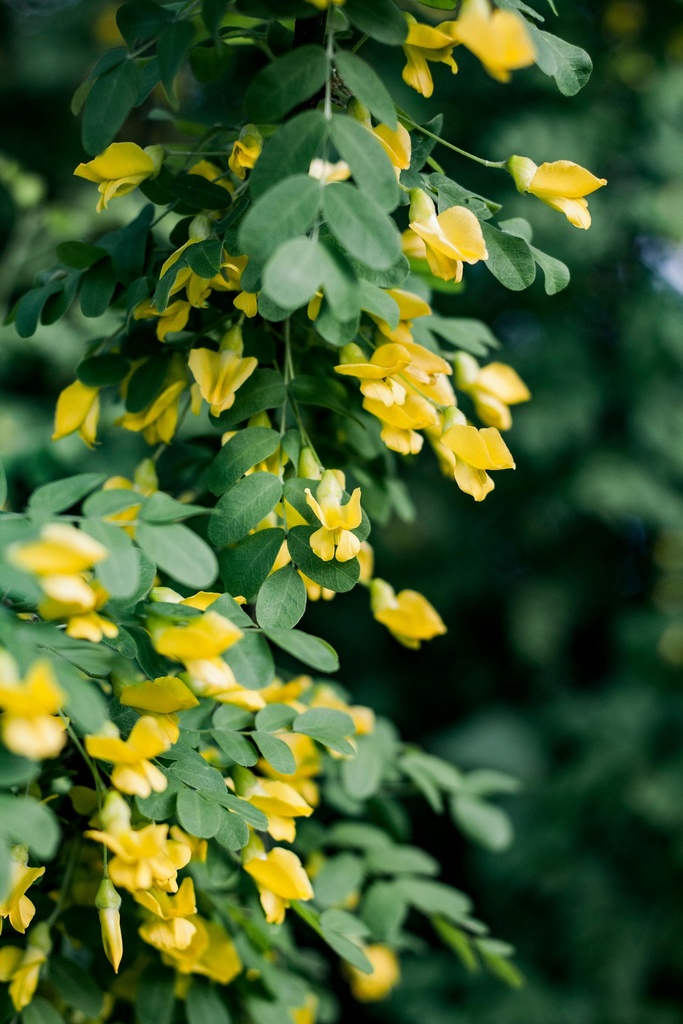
x,y
162,508
555,272
285,83
79,255
100,371
289,151
61,495
337,576
172,46
180,553
310,649
39,1011
75,985
286,210
243,507
282,599
203,1005
380,19
510,259
97,288
367,86
370,166
204,258
119,574
569,65
199,193
245,567
247,448
108,104
265,389
361,226
141,19
155,995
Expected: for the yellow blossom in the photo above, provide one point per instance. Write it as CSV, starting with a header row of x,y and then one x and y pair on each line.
x,y
173,318
158,421
247,303
468,453
410,307
493,389
327,172
323,5
143,858
408,616
386,974
366,557
334,539
108,903
213,677
279,876
363,718
168,927
21,967
203,636
396,144
60,550
78,409
198,847
279,801
210,952
84,623
561,185
401,423
452,238
500,39
219,375
245,151
133,771
427,43
16,905
314,592
306,1013
161,698
29,724
120,169
308,765
377,375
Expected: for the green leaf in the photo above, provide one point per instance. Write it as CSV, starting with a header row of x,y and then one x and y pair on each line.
x,y
483,823
274,717
495,956
213,12
233,833
79,255
160,806
155,995
337,576
203,1005
27,822
286,210
128,255
101,371
3,484
556,273
431,897
510,259
60,495
310,649
378,302
401,860
16,771
245,567
328,726
569,65
243,507
30,307
367,86
341,287
198,816
247,448
162,508
39,1011
197,192
119,574
97,288
325,392
440,5
469,335
338,879
252,661
285,83
236,746
371,168
294,272
85,704
384,910
362,774
282,599
141,19
343,933
146,382
172,46
276,752
361,226
380,19
107,503
289,151
204,258
76,986
250,814
108,105
458,941
180,553
265,389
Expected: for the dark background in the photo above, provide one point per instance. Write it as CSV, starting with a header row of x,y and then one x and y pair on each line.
x,y
562,592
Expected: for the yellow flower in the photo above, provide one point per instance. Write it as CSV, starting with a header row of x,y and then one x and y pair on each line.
x,y
143,858
219,375
158,421
377,375
16,905
386,974
84,623
334,539
198,847
314,592
279,876
499,39
168,927
452,238
327,172
21,967
426,43
408,616
210,953
396,144
108,903
173,318
410,306
29,723
245,151
247,303
203,636
363,718
322,5
133,771
306,1013
493,389
401,423
120,169
467,453
560,184
213,677
279,801
60,550
366,557
78,409
161,698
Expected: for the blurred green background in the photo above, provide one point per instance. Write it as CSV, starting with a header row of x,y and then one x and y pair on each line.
x,y
563,592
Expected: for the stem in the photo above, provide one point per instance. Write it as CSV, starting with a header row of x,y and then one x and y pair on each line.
x,y
449,145
330,65
361,41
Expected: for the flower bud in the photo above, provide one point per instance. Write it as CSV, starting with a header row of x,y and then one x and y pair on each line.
x,y
453,416
108,903
200,227
359,112
309,467
522,170
157,155
232,340
421,206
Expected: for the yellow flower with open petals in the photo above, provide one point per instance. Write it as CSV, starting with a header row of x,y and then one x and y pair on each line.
x,y
408,615
173,318
245,151
120,169
396,143
203,636
377,375
158,421
28,723
16,905
467,454
401,423
561,185
427,43
133,771
219,375
210,952
167,926
144,858
386,974
161,698
493,389
21,967
410,307
452,238
60,550
334,539
78,409
500,39
279,801
279,876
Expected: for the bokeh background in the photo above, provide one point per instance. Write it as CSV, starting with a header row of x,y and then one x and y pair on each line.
x,y
563,592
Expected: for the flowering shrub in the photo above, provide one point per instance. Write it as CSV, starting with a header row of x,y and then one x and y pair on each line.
x,y
226,820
